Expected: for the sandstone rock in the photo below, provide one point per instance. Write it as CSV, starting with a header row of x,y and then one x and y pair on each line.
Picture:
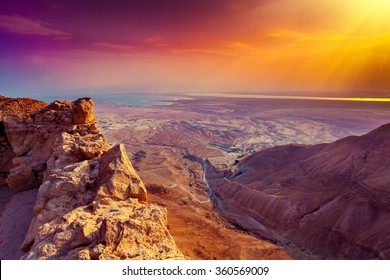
x,y
83,112
12,107
118,178
74,220
91,204
22,179
50,130
103,229
18,107
71,192
6,156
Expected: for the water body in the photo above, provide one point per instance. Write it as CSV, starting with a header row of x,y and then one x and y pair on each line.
x,y
123,98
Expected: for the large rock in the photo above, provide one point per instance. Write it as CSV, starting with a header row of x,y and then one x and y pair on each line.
x,y
327,201
118,178
18,107
6,157
12,107
34,138
95,209
91,204
106,229
83,112
22,178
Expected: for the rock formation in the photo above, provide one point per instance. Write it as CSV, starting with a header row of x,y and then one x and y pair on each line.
x,y
323,201
12,107
91,204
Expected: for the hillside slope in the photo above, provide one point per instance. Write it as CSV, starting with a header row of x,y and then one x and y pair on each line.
x,y
322,201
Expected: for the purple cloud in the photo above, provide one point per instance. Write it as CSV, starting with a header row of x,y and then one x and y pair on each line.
x,y
22,25
114,46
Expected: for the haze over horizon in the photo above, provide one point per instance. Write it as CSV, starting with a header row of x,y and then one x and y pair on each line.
x,y
340,48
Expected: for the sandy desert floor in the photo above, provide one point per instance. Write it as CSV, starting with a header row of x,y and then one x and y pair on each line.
x,y
169,144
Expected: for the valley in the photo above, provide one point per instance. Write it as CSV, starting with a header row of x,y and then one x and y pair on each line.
x,y
172,146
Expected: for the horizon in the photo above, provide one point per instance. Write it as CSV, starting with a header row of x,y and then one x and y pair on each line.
x,y
255,46
158,98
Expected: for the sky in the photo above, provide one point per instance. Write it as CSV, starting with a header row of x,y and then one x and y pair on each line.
x,y
300,47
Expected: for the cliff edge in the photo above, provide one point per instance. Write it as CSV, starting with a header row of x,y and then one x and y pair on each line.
x,y
90,204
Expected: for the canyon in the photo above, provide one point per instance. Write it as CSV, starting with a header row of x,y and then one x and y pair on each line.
x,y
205,178
318,201
173,145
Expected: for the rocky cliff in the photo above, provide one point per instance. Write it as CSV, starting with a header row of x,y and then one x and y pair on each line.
x,y
90,203
12,107
323,201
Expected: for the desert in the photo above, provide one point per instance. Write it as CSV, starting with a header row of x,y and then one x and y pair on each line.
x,y
229,178
180,148
194,139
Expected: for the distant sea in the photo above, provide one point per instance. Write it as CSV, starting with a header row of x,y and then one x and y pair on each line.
x,y
148,99
123,98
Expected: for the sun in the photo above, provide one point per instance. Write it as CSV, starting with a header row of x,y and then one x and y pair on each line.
x,y
375,11
362,60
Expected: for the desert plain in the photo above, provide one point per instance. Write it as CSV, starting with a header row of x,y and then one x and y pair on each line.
x,y
171,146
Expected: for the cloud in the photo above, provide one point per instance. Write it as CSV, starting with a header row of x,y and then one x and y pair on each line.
x,y
231,49
326,38
155,41
86,53
22,25
152,40
291,36
114,46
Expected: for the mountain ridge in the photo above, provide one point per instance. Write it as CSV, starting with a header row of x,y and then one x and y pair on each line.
x,y
330,199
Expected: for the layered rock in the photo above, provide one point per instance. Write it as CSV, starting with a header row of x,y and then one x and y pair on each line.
x,y
325,201
91,204
35,137
12,107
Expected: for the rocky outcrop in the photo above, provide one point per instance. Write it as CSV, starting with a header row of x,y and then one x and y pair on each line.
x,y
34,138
12,107
18,107
324,201
91,204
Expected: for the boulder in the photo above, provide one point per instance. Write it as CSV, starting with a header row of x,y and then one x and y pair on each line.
x,y
117,177
22,179
83,111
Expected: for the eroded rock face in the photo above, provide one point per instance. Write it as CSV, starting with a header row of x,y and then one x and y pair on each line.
x,y
18,107
329,200
91,204
6,156
116,172
35,137
12,107
90,212
106,229
82,112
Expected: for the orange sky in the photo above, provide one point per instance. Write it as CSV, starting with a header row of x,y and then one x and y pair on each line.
x,y
303,46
